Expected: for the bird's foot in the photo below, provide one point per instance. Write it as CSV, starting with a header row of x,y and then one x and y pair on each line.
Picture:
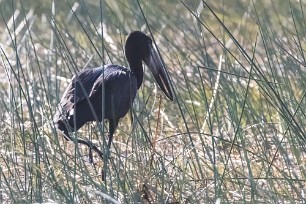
x,y
92,148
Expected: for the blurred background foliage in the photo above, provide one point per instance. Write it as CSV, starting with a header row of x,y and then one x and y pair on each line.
x,y
235,132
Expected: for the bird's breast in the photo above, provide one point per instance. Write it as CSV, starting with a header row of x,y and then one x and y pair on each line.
x,y
120,88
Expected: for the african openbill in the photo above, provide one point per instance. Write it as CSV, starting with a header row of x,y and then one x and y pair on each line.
x,y
108,92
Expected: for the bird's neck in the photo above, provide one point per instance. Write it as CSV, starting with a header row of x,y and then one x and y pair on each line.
x,y
137,69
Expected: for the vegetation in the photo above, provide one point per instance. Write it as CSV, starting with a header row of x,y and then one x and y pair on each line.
x,y
235,132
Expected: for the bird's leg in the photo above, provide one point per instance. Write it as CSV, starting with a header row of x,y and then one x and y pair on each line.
x,y
112,127
91,147
62,126
90,156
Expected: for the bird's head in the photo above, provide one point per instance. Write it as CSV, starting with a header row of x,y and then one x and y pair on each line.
x,y
139,46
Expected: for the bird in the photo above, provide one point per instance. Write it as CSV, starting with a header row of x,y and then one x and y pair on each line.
x,y
108,92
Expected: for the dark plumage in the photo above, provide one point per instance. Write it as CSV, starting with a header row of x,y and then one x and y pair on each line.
x,y
83,99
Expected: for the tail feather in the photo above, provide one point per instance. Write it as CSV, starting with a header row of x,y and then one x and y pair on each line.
x,y
60,125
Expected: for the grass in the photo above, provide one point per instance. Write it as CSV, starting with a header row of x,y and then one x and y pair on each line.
x,y
235,132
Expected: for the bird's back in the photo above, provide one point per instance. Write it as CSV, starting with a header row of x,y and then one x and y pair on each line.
x,y
112,88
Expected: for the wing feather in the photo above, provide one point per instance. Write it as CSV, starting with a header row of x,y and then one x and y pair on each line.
x,y
120,90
